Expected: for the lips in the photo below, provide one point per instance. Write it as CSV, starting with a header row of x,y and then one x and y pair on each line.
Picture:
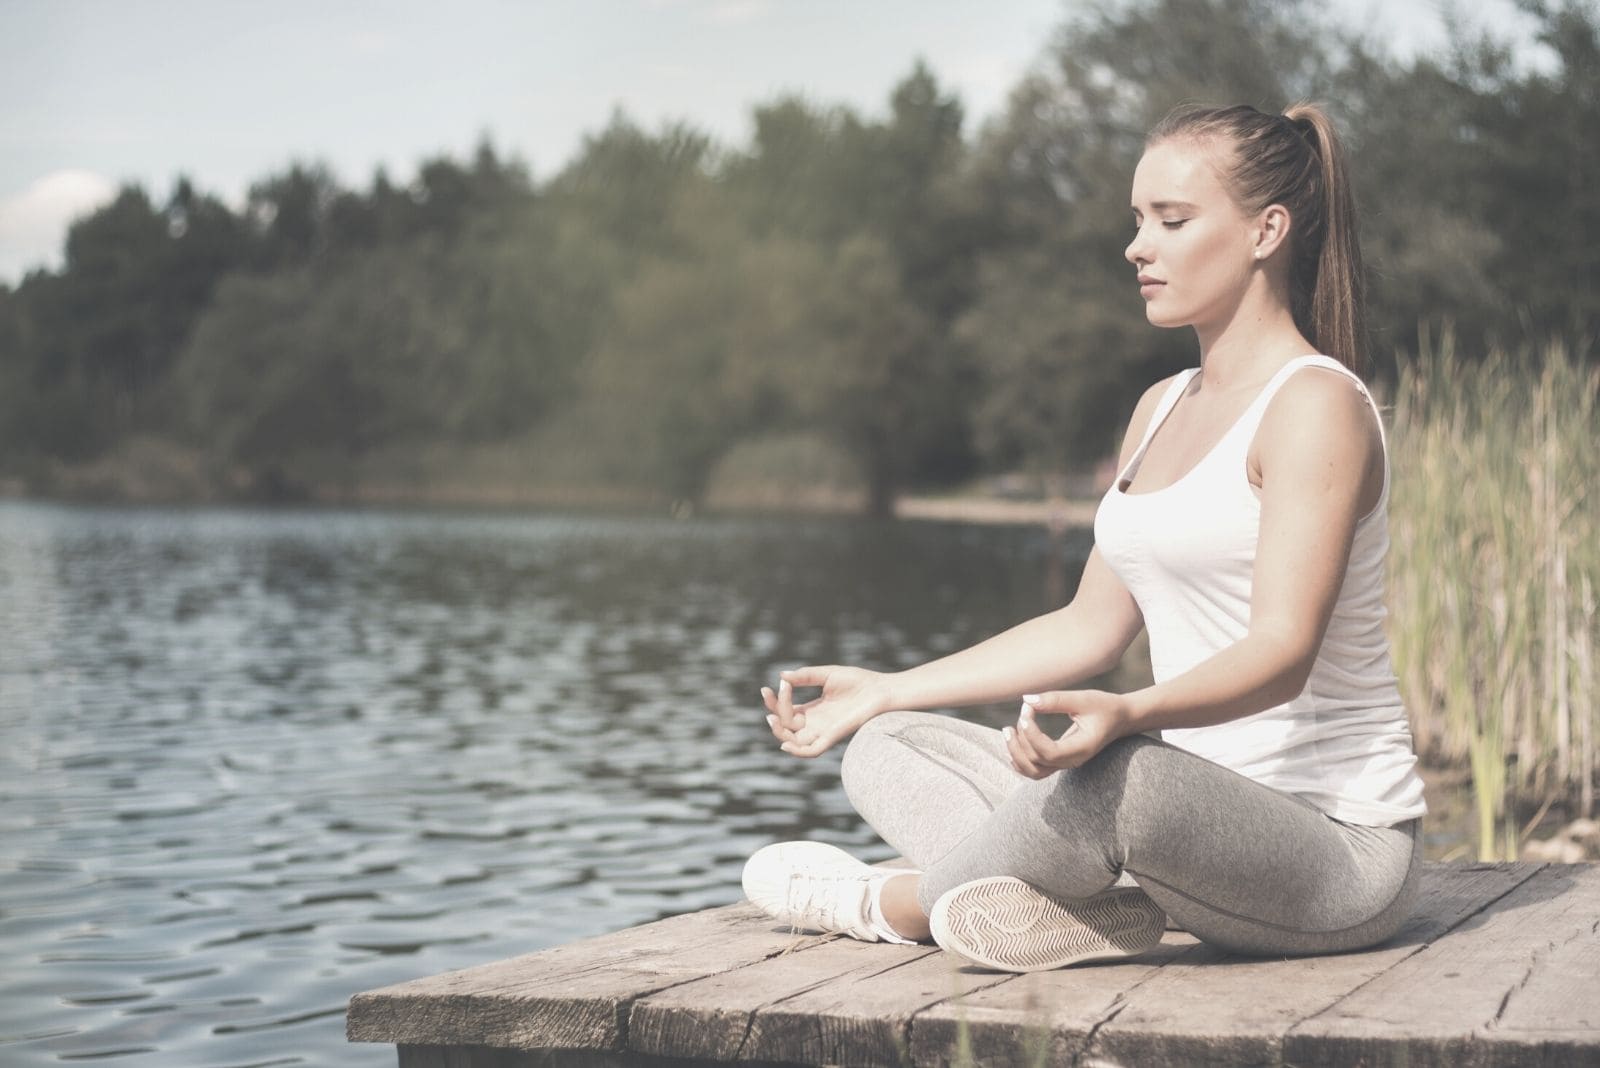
x,y
1148,286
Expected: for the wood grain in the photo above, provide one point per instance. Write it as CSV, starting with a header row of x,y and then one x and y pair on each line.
x,y
1499,965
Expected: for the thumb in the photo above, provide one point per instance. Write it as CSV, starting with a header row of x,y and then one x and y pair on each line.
x,y
1056,701
806,676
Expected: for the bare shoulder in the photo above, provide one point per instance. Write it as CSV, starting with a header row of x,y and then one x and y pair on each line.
x,y
1320,418
1142,414
1322,407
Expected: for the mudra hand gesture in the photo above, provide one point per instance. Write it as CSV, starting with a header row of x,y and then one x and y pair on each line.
x,y
850,696
1097,718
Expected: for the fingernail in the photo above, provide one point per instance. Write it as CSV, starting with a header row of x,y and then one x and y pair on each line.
x,y
1006,733
1030,698
783,684
772,721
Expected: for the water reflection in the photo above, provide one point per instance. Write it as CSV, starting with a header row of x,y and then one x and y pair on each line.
x,y
254,762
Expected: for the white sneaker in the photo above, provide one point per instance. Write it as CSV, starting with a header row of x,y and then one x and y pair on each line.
x,y
813,886
1006,924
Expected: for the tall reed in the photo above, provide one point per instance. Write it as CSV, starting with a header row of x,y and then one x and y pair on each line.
x,y
1495,572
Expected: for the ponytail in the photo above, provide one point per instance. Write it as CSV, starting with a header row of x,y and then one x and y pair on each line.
x,y
1336,301
1295,159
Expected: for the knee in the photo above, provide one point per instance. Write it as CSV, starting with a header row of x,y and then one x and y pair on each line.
x,y
864,756
1108,771
1102,786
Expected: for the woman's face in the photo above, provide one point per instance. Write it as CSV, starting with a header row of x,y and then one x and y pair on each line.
x,y
1194,249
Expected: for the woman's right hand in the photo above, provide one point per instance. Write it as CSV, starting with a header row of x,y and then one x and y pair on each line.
x,y
850,696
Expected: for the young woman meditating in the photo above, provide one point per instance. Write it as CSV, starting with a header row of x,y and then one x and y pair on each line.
x,y
1277,811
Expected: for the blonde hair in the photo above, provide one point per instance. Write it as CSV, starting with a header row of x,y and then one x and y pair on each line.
x,y
1296,160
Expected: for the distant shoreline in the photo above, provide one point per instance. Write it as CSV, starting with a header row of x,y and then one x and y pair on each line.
x,y
150,471
1058,512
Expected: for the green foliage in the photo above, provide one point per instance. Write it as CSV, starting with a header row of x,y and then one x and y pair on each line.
x,y
1058,327
932,305
1495,572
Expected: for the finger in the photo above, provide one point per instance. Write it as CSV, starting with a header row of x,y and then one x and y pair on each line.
x,y
808,748
785,709
1033,741
1011,758
1019,757
1042,748
806,676
1055,702
1075,748
770,699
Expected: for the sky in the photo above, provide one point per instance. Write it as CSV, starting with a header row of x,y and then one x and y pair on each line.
x,y
96,93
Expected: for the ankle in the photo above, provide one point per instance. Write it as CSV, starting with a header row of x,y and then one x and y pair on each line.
x,y
895,904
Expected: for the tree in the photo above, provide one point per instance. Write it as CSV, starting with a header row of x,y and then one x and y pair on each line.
x,y
878,197
1057,326
1539,157
290,214
624,181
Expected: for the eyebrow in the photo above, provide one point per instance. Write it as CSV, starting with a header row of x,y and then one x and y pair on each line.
x,y
1163,205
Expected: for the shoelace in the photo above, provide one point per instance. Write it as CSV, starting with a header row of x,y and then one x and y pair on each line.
x,y
808,892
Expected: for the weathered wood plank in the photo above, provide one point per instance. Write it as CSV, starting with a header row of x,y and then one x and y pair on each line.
x,y
864,1017
1048,1015
488,1057
1497,966
1188,1003
574,996
1248,1004
1561,991
715,1017
1448,1004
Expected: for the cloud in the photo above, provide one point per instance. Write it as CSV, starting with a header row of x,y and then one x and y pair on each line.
x,y
33,223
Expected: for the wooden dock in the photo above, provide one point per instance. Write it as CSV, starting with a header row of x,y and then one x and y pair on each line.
x,y
1499,965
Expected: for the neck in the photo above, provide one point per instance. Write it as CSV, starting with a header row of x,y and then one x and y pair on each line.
x,y
1251,344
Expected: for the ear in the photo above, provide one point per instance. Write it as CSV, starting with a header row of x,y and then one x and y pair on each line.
x,y
1271,230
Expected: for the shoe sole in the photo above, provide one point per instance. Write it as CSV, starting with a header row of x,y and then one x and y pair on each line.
x,y
1005,924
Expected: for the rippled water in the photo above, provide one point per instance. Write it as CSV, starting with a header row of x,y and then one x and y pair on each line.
x,y
254,762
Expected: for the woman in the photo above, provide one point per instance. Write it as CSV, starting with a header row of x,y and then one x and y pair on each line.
x,y
1278,810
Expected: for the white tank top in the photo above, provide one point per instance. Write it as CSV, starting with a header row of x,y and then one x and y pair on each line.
x,y
1187,554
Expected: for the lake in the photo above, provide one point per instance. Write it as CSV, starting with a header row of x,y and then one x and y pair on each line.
x,y
252,762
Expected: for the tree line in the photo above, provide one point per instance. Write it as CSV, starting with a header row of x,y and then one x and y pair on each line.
x,y
931,302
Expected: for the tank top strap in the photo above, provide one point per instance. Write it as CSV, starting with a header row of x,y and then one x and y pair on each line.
x,y
1244,431
1169,400
1258,407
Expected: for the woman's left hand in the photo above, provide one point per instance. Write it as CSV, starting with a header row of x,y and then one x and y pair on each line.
x,y
1098,718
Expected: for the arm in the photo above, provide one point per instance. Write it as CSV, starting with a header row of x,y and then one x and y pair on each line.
x,y
1321,470
1084,638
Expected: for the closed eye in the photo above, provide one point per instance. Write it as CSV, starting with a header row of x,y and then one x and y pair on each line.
x,y
1173,224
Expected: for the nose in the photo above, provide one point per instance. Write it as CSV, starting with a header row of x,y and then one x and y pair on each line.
x,y
1135,252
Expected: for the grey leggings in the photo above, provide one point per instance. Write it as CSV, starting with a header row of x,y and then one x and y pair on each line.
x,y
1235,863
